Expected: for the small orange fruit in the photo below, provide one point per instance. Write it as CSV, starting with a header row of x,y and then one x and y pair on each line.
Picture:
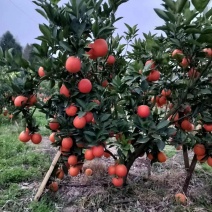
x,y
71,110
176,52
100,47
180,198
60,174
88,172
79,122
54,186
64,91
209,161
112,170
150,156
20,101
41,72
121,170
143,111
24,136
89,154
52,137
36,138
161,157
207,127
186,125
85,86
53,124
111,60
72,160
67,143
73,64
74,171
117,182
105,83
199,149
150,62
98,151
89,117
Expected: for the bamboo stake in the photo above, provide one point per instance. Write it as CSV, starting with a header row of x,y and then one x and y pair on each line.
x,y
46,178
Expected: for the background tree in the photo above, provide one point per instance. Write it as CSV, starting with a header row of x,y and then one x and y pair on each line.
x,y
27,52
7,41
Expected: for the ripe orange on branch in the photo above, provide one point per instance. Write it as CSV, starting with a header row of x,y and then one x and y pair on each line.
x,y
154,75
73,64
71,110
207,127
100,48
79,122
98,151
74,171
67,143
111,60
85,86
152,62
117,182
24,136
72,160
53,124
209,161
89,154
161,157
64,91
143,111
176,52
121,170
36,138
20,101
199,149
41,72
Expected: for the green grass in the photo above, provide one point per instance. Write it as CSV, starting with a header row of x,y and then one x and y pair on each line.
x,y
19,163
170,151
42,122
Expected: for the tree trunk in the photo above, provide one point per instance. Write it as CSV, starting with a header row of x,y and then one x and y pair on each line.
x,y
132,157
189,174
185,156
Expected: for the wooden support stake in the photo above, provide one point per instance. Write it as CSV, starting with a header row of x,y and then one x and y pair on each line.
x,y
46,178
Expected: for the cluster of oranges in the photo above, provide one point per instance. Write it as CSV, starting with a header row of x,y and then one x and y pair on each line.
x,y
26,135
201,154
118,171
160,156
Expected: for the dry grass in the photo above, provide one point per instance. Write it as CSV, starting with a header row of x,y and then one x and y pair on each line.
x,y
95,193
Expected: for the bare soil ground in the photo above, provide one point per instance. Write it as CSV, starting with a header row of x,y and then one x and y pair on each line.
x,y
153,194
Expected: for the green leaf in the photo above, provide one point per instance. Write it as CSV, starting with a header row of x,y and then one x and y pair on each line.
x,y
81,103
200,5
81,113
205,91
162,14
160,144
105,117
142,140
170,4
89,133
162,124
45,30
180,5
1,52
65,46
42,13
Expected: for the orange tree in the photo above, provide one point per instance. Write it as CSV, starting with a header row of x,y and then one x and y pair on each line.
x,y
137,100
